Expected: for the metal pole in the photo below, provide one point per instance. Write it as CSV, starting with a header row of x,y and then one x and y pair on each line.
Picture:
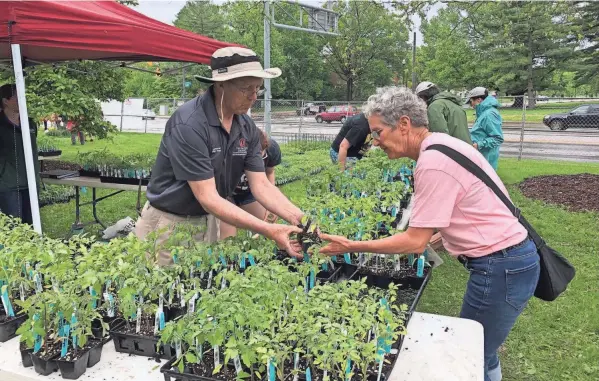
x,y
122,112
414,63
267,94
24,118
522,128
301,118
183,86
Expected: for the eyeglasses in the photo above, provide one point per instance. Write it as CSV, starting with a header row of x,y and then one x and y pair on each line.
x,y
265,156
376,135
248,92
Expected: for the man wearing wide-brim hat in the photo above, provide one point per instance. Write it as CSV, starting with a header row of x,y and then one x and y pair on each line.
x,y
208,143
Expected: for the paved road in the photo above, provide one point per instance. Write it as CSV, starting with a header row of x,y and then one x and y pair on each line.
x,y
539,141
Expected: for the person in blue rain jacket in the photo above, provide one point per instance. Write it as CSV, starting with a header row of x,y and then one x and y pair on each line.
x,y
486,133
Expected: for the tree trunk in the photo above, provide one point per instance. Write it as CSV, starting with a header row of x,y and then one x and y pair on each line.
x,y
530,85
518,101
350,89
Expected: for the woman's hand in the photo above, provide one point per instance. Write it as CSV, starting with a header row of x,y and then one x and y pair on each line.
x,y
337,245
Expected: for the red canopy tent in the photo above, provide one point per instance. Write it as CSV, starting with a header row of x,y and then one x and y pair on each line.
x,y
50,31
53,31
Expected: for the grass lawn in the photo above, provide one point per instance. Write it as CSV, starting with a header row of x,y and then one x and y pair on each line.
x,y
551,341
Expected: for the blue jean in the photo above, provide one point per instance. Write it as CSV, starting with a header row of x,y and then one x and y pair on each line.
x,y
335,158
16,204
498,289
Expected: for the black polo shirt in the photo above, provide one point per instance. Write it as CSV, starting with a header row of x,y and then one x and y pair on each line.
x,y
196,147
357,132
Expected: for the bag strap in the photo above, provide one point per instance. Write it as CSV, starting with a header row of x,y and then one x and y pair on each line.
x,y
477,171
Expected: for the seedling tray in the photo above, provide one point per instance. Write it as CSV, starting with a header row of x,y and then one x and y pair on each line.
x,y
26,357
95,353
124,180
86,173
50,153
139,345
44,367
172,373
9,328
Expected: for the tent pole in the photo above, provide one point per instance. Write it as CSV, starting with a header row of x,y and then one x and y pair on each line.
x,y
24,116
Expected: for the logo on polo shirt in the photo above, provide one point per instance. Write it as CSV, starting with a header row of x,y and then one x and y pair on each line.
x,y
242,149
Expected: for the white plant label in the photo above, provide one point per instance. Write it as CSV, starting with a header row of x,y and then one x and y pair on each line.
x,y
138,321
216,355
161,302
108,298
209,280
295,365
223,283
237,363
178,348
22,292
156,321
182,296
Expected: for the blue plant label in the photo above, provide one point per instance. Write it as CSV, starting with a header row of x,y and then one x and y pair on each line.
x,y
312,279
66,329
222,260
74,323
394,212
347,258
162,320
252,261
6,302
38,338
242,261
334,258
308,374
84,190
410,259
348,369
272,372
425,255
420,267
325,266
93,293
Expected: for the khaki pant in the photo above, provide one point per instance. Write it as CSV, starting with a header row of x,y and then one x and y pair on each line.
x,y
153,219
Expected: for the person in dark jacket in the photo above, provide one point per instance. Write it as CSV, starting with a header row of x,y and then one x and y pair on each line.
x,y
445,112
14,190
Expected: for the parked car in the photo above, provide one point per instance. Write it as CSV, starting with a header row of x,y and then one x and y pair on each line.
x,y
311,109
542,98
148,114
337,114
585,116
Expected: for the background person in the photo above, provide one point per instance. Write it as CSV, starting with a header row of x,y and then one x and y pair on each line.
x,y
14,189
486,133
352,141
475,225
207,145
242,195
445,112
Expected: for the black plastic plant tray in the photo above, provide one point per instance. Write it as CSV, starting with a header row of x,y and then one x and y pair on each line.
x,y
86,173
9,328
50,153
139,345
172,373
358,377
124,180
328,276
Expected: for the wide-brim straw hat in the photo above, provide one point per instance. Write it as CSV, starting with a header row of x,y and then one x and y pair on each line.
x,y
235,62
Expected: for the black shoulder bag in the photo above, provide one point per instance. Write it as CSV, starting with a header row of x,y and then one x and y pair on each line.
x,y
556,271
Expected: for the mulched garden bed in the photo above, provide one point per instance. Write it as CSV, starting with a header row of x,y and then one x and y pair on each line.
x,y
58,164
577,193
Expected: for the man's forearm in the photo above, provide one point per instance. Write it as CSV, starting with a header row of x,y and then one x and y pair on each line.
x,y
274,201
342,158
231,214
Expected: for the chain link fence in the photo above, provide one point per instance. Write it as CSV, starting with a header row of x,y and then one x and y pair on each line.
x,y
551,128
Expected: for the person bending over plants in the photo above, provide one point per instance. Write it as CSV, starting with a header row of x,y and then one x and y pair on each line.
x,y
242,195
475,225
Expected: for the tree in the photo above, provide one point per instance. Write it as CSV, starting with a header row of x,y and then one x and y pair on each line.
x,y
368,32
202,17
522,43
586,19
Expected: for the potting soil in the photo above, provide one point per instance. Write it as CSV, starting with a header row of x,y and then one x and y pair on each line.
x,y
575,192
146,327
206,367
71,356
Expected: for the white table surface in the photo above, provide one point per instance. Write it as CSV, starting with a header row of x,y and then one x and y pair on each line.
x,y
92,182
441,348
453,355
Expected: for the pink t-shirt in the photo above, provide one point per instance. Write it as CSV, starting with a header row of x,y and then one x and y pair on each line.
x,y
472,220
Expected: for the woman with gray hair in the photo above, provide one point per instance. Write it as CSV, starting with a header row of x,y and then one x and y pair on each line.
x,y
475,225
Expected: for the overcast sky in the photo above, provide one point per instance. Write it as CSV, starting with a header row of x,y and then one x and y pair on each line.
x,y
166,11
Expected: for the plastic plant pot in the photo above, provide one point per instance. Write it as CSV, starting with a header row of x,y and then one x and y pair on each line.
x,y
72,370
44,367
95,353
8,328
26,356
